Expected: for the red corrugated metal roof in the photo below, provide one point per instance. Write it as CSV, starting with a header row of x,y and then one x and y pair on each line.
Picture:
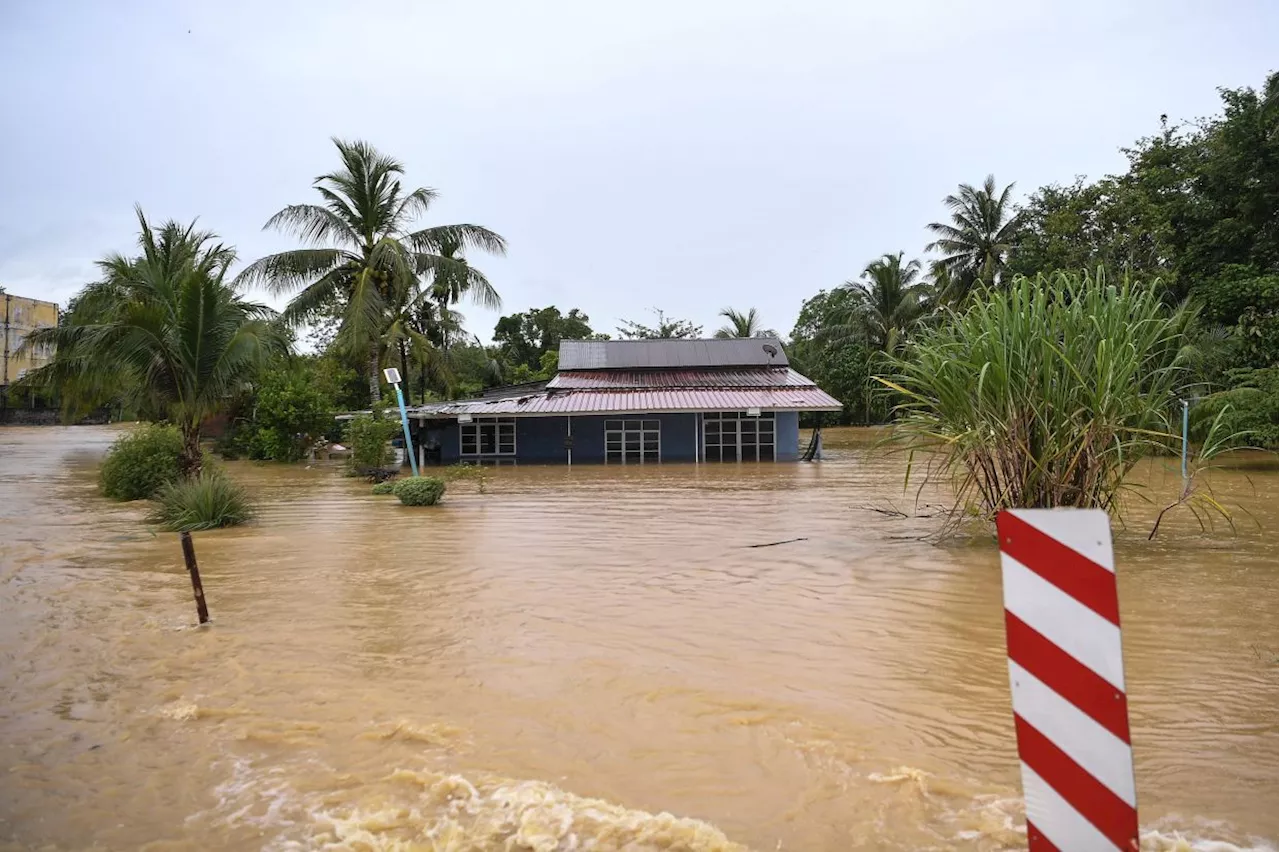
x,y
639,402
751,377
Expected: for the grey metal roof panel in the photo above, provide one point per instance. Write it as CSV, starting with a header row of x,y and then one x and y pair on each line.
x,y
723,377
665,354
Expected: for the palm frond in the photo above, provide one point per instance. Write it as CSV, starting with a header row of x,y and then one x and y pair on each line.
x,y
313,224
290,270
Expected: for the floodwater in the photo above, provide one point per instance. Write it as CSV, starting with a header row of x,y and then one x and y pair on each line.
x,y
589,658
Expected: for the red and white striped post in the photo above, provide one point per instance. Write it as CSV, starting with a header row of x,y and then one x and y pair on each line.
x,y
1066,672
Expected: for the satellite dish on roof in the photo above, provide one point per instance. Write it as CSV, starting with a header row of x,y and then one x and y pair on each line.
x,y
771,349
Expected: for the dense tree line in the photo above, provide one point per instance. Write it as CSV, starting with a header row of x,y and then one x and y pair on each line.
x,y
1194,217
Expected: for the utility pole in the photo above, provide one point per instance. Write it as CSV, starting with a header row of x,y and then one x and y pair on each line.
x,y
392,375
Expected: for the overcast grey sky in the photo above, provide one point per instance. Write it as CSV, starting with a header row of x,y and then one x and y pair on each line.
x,y
688,155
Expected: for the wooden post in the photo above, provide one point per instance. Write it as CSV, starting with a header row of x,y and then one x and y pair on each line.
x,y
189,554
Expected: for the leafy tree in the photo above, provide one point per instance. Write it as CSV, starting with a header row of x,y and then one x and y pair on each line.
x,y
1249,410
666,329
1229,216
367,262
743,325
524,338
473,368
166,328
290,411
1083,226
1242,303
840,362
976,242
887,301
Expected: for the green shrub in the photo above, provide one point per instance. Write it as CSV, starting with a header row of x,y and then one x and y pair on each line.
x,y
468,471
366,436
139,463
1043,394
211,500
291,413
419,490
1249,410
387,486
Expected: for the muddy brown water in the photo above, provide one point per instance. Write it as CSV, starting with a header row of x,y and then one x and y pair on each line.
x,y
588,658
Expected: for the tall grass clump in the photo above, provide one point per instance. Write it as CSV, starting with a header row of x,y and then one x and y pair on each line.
x,y
206,502
1043,394
140,462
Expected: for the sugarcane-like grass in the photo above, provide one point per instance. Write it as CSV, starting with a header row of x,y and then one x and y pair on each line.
x,y
1042,394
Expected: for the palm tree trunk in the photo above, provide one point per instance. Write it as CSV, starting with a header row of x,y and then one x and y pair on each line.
x,y
191,460
375,387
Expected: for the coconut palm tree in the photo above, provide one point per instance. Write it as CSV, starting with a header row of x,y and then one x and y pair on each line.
x,y
887,301
743,325
365,260
166,328
976,243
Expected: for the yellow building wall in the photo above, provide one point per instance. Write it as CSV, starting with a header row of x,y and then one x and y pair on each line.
x,y
19,317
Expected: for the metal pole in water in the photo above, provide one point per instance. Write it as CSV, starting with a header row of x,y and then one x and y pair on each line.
x,y
1185,409
189,554
392,376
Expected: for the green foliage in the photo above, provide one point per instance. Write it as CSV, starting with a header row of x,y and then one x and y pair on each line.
x,y
367,264
740,324
886,304
467,472
1044,394
140,462
292,411
1083,226
1243,302
207,502
526,338
165,328
666,329
976,242
838,361
366,436
419,490
387,486
1249,411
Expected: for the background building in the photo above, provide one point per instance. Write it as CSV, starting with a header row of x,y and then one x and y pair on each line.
x,y
21,316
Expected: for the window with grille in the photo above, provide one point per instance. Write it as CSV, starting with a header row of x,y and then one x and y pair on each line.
x,y
632,441
494,436
732,436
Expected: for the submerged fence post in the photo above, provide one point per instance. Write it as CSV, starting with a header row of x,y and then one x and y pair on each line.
x,y
1066,673
189,554
1185,409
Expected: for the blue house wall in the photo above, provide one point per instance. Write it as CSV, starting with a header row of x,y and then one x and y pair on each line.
x,y
787,434
541,440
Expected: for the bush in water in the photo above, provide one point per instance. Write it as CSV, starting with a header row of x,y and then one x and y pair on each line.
x,y
466,470
419,490
367,436
387,486
139,463
209,501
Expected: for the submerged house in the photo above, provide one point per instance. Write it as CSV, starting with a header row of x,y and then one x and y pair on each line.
x,y
634,402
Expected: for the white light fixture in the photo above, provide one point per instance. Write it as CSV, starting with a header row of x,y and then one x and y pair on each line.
x,y
464,418
753,412
392,375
